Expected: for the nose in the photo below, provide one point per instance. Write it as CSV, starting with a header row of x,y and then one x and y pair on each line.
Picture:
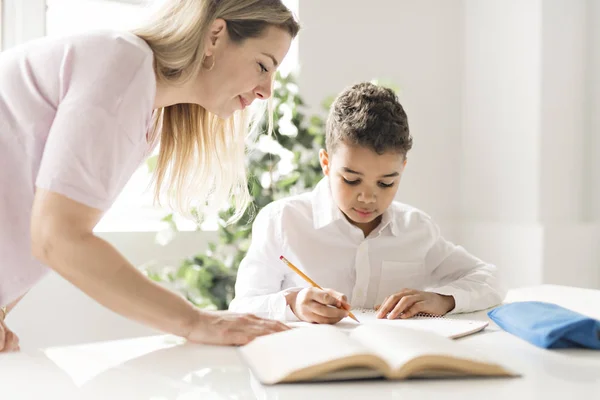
x,y
366,197
264,91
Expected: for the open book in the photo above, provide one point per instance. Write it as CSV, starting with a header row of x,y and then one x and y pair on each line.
x,y
323,352
445,326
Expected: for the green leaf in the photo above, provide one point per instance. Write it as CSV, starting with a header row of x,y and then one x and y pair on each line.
x,y
212,247
151,163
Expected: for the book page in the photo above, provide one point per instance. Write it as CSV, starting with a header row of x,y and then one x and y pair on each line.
x,y
448,327
398,345
451,328
275,356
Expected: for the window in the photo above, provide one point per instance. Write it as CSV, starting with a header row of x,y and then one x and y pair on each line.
x,y
1,24
134,209
21,20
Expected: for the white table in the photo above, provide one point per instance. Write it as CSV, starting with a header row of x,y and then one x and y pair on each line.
x,y
163,367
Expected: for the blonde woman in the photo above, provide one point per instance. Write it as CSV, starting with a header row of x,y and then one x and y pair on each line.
x,y
79,114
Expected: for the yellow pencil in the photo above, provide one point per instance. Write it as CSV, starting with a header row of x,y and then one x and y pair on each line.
x,y
307,279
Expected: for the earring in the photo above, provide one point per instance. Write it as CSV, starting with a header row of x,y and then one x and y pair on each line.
x,y
211,65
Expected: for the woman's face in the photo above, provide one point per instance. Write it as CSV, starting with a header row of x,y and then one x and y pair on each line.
x,y
242,72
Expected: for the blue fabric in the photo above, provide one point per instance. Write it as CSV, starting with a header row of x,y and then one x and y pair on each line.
x,y
547,325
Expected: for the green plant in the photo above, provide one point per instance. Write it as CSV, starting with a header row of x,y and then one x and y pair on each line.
x,y
280,165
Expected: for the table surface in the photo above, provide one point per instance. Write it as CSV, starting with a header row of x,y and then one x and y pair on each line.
x,y
166,367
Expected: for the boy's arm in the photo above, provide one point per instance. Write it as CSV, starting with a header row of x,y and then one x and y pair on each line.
x,y
473,283
258,287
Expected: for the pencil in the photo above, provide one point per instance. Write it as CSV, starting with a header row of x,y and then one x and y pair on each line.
x,y
307,279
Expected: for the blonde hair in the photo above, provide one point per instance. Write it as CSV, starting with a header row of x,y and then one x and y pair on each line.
x,y
201,156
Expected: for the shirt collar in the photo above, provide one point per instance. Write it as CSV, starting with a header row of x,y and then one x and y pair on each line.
x,y
326,212
389,219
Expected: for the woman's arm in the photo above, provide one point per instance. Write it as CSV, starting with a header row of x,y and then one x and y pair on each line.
x,y
63,238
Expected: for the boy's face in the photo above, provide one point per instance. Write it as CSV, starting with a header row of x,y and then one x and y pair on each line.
x,y
363,183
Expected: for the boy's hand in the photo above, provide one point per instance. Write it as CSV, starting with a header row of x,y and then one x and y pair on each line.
x,y
320,306
409,302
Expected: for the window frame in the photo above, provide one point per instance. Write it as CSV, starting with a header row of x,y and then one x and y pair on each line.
x,y
22,20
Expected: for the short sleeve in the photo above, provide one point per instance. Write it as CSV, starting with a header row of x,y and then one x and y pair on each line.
x,y
98,136
87,155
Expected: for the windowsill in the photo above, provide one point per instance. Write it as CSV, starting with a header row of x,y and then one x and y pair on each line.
x,y
146,220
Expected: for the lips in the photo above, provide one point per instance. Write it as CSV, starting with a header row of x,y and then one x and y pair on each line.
x,y
364,213
245,103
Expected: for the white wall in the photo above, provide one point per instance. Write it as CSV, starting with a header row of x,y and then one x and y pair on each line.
x,y
416,45
525,141
500,188
571,254
563,110
501,111
593,120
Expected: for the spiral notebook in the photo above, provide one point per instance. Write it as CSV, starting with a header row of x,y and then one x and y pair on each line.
x,y
442,325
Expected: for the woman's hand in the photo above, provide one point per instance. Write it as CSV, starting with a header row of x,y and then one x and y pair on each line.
x,y
321,306
9,341
409,302
228,328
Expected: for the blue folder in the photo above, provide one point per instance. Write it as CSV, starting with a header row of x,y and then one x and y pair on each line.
x,y
547,325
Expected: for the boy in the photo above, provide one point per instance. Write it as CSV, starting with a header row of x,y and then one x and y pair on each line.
x,y
350,237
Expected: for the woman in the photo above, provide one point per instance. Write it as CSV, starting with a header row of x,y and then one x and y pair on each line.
x,y
79,114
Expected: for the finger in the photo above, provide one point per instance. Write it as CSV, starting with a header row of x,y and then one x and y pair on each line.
x,y
248,334
384,309
325,298
240,339
345,304
2,336
262,330
15,340
328,312
387,306
404,304
14,343
11,342
320,319
275,326
272,324
262,326
342,299
419,306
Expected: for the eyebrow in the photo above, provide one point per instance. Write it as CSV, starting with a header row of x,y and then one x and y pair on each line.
x,y
360,173
272,58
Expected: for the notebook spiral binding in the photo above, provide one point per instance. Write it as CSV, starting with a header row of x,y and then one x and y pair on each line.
x,y
422,315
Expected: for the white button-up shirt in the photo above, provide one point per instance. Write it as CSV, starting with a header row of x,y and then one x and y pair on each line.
x,y
406,250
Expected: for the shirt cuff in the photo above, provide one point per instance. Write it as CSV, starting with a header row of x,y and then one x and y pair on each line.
x,y
461,298
280,310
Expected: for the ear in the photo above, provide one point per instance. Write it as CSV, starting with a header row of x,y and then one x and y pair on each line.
x,y
324,161
216,35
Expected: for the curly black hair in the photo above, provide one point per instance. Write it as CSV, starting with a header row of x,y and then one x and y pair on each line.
x,y
368,115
